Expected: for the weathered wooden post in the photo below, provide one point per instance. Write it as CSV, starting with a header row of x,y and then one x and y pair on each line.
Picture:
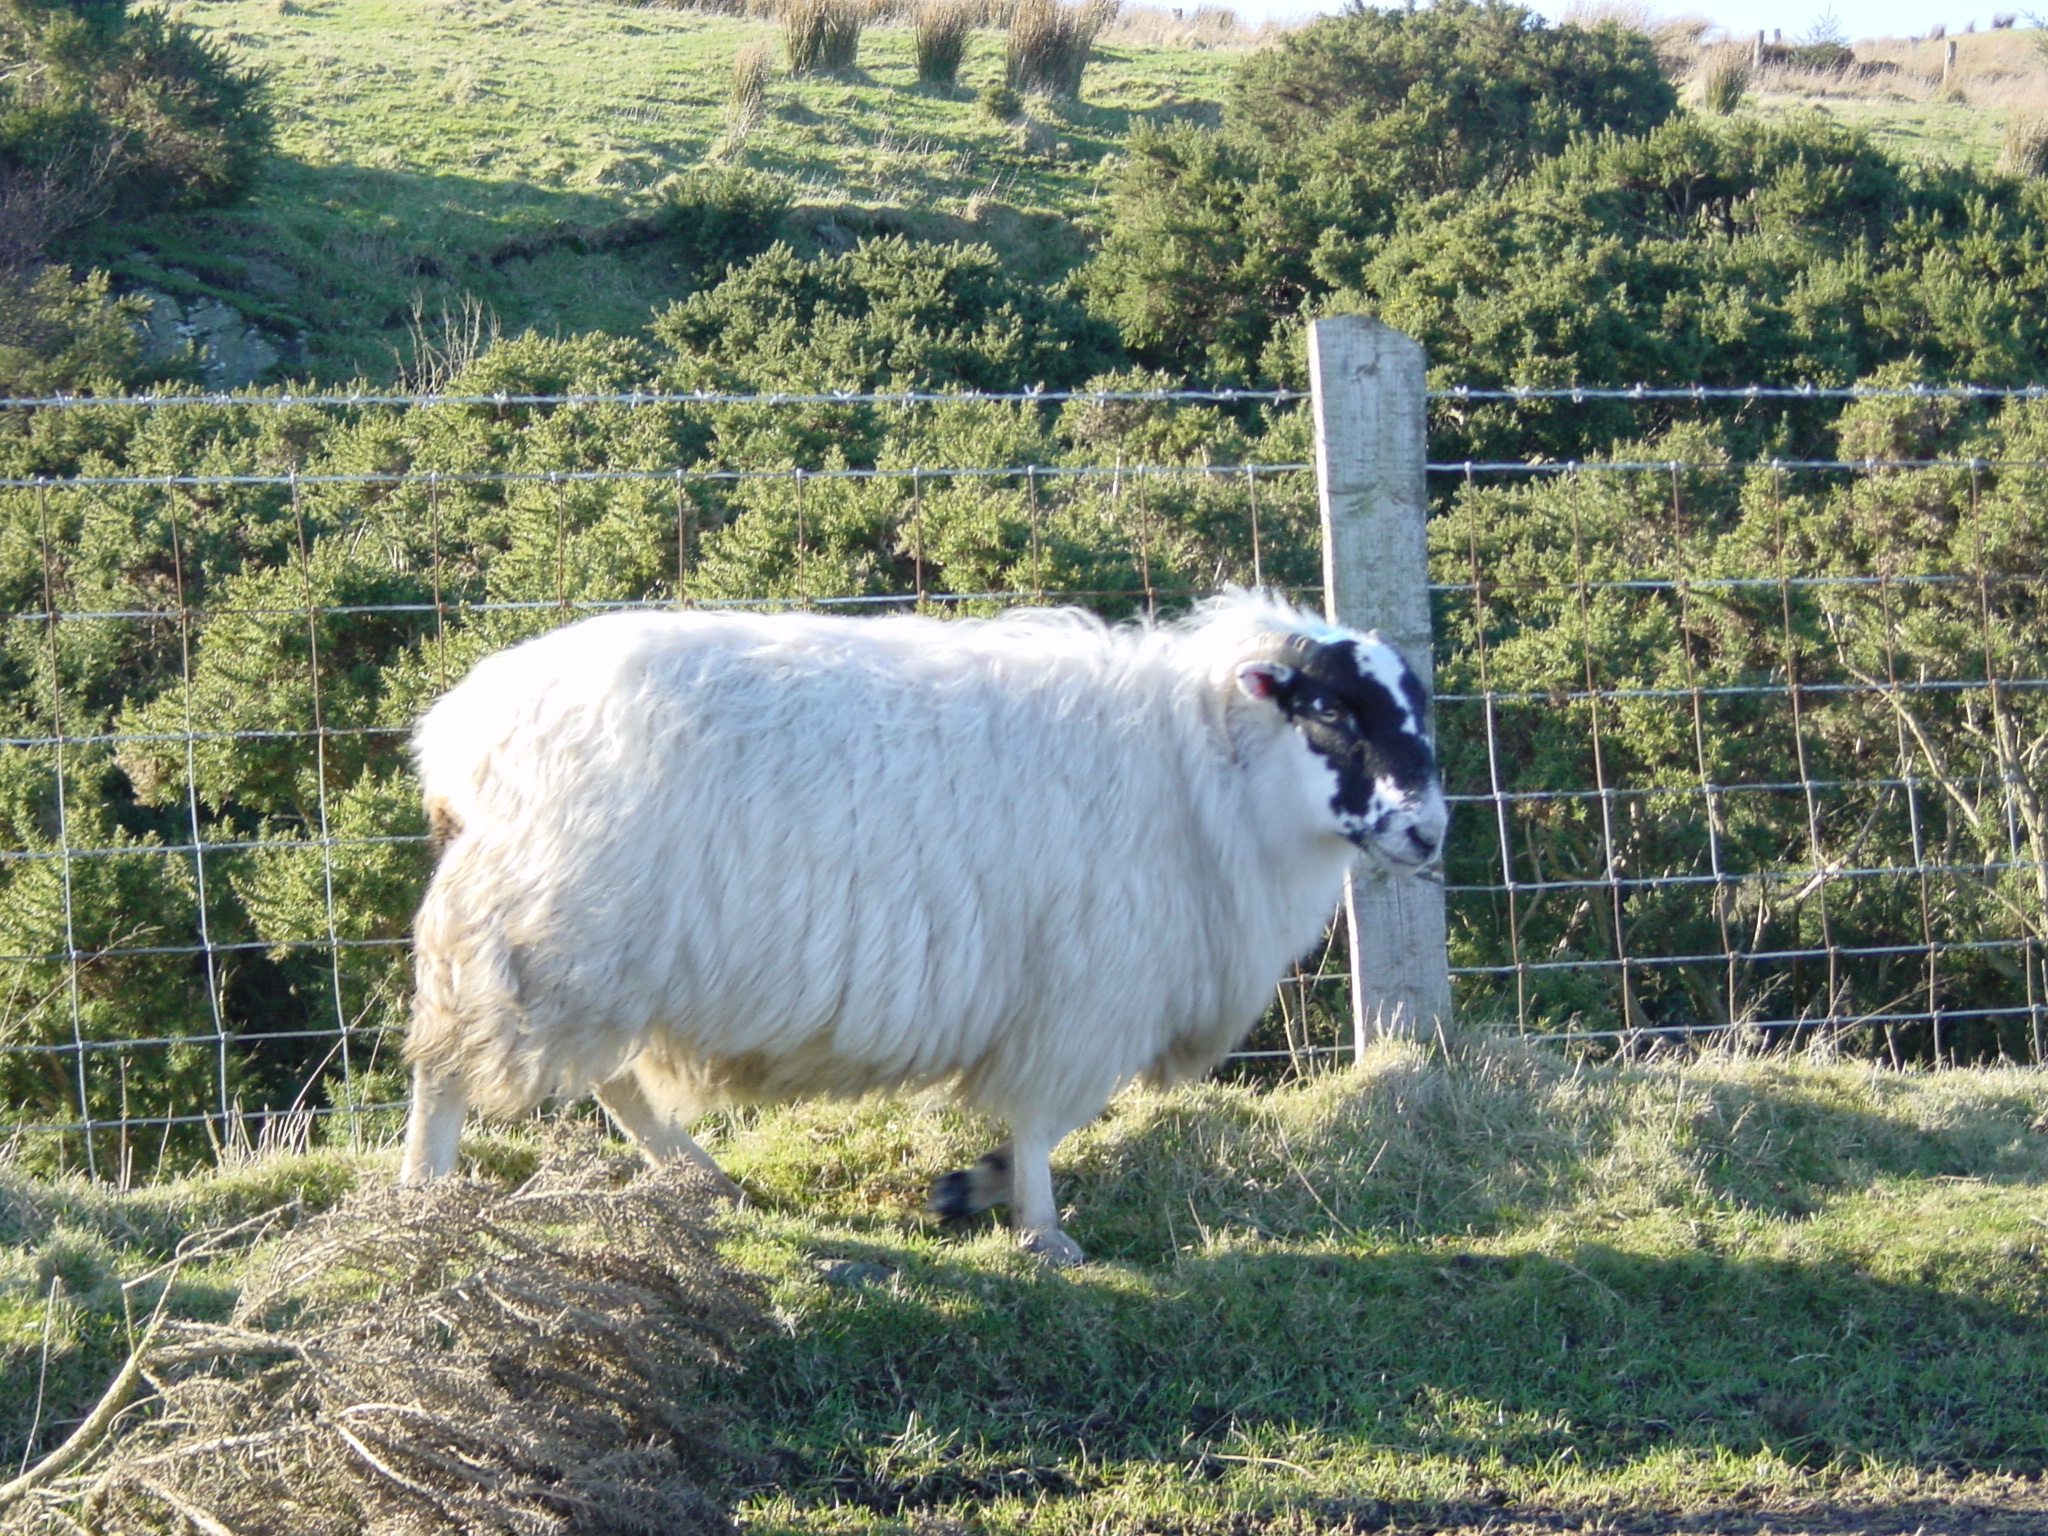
x,y
1367,386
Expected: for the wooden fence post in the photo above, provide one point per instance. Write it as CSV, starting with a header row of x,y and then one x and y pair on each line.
x,y
1367,386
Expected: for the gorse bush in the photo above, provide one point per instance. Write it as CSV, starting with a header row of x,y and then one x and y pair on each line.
x,y
1713,253
147,106
1455,94
1217,237
999,103
58,332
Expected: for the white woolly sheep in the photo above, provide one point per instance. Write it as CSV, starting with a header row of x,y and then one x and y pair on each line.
x,y
691,858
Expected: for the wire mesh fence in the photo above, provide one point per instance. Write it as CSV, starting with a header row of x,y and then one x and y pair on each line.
x,y
1748,761
1745,748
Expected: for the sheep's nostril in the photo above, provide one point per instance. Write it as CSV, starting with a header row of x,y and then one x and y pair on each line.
x,y
1422,845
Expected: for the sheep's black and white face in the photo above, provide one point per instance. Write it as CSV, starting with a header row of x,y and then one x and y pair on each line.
x,y
1366,715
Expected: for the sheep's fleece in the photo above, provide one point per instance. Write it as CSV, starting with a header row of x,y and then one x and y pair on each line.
x,y
701,857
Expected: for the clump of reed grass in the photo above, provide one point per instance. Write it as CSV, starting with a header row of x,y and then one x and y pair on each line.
x,y
1723,85
822,37
747,102
2024,151
939,32
1050,42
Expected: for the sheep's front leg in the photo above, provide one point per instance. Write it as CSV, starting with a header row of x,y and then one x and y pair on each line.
x,y
1033,1214
1017,1174
659,1130
433,1127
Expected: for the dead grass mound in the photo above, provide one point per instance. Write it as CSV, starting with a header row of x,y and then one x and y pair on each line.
x,y
456,1359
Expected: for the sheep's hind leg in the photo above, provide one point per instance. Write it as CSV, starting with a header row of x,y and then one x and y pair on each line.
x,y
970,1191
433,1127
658,1130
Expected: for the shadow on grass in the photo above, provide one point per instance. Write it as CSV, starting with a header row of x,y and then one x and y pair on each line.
x,y
1339,1274
948,1381
1506,1136
341,253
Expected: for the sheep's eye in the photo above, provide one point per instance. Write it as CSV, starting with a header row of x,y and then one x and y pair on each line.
x,y
1327,713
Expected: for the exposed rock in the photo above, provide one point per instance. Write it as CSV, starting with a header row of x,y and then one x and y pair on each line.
x,y
229,350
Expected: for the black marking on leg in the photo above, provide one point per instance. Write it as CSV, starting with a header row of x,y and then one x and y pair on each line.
x,y
952,1195
969,1191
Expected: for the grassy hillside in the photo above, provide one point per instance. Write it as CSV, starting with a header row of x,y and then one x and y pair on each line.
x,y
434,153
503,157
1504,1292
1896,92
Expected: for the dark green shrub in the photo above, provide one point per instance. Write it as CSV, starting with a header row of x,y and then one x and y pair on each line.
x,y
160,114
888,314
62,333
1721,253
1215,239
1000,103
1210,244
1453,94
720,218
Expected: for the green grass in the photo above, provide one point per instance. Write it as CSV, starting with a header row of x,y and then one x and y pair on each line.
x,y
460,150
430,152
1459,1290
1953,132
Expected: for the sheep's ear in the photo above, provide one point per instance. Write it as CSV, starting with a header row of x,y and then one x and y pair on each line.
x,y
1263,679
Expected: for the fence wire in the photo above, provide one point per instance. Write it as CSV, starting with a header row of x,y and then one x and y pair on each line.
x,y
1737,749
1799,801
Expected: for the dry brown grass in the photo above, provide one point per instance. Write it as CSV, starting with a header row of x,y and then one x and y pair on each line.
x,y
747,98
456,1359
1196,26
2024,150
1676,38
2002,69
822,36
1050,41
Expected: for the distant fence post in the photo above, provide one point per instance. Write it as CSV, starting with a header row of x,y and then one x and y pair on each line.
x,y
1366,381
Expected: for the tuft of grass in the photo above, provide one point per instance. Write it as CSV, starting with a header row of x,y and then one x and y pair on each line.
x,y
747,102
822,37
1050,42
2024,150
1724,82
939,33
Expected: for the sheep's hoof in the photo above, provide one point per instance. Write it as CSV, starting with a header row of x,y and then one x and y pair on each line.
x,y
970,1191
952,1195
1053,1247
